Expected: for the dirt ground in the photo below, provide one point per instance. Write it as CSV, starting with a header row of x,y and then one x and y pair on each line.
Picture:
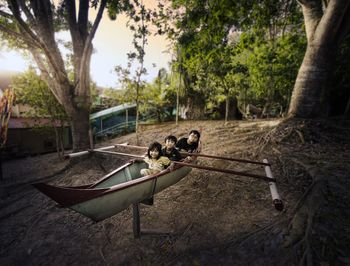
x,y
207,218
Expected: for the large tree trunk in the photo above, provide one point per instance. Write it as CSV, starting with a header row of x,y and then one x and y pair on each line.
x,y
326,24
80,129
311,87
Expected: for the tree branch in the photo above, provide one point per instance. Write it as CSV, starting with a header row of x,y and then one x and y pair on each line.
x,y
43,16
27,12
60,72
6,15
26,30
16,13
19,36
88,41
312,11
83,18
331,21
46,74
75,35
72,22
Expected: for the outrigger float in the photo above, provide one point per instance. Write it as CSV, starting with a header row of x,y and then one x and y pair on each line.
x,y
124,186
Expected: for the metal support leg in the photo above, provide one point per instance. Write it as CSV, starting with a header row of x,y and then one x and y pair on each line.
x,y
136,220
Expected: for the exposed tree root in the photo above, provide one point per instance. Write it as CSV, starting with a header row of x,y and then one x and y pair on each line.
x,y
302,233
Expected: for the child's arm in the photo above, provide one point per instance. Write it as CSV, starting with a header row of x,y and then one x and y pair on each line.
x,y
171,166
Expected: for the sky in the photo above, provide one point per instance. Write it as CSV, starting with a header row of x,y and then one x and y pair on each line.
x,y
112,42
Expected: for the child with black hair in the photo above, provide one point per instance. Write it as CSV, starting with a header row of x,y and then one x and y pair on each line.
x,y
156,162
190,144
169,150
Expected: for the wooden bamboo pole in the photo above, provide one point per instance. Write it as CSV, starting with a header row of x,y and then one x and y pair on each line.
x,y
228,171
204,155
80,153
117,153
276,199
224,158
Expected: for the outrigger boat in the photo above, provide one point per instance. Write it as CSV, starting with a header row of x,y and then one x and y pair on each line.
x,y
114,192
124,186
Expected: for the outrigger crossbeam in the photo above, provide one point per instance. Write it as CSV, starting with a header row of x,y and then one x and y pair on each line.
x,y
202,155
269,177
227,171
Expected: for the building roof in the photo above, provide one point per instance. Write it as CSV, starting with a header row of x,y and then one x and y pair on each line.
x,y
113,110
29,122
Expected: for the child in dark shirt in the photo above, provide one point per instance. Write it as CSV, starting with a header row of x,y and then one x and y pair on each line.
x,y
189,144
169,150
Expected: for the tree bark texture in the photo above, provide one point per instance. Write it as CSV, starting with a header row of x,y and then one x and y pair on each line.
x,y
325,27
227,107
80,125
310,89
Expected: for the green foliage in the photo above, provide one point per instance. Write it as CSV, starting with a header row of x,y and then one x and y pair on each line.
x,y
272,68
111,97
247,49
30,89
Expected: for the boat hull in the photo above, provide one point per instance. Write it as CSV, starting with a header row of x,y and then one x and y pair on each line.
x,y
115,192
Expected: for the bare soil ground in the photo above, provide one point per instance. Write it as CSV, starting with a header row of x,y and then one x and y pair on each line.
x,y
208,218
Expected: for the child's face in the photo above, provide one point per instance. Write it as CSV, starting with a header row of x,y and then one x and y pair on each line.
x,y
169,144
154,153
192,138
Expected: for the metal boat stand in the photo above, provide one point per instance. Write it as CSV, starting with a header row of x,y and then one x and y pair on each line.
x,y
136,227
136,220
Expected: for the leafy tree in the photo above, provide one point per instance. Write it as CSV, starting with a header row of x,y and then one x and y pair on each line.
x,y
33,91
111,97
156,97
203,32
31,26
272,68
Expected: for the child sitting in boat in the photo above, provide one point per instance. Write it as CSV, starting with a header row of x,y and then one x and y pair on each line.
x,y
169,150
156,162
191,143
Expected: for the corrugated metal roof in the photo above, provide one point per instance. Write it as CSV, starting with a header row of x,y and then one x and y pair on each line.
x,y
114,109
